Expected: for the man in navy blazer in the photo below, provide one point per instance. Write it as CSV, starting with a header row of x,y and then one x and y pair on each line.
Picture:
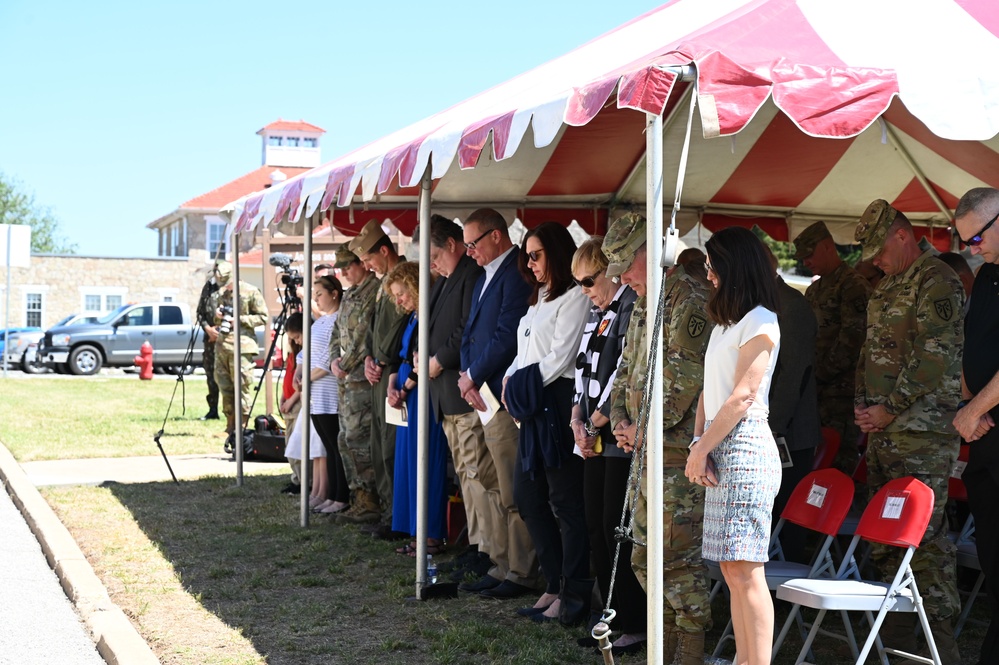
x,y
488,347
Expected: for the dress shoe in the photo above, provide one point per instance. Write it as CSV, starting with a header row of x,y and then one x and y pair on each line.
x,y
211,415
541,618
291,488
531,611
485,582
506,589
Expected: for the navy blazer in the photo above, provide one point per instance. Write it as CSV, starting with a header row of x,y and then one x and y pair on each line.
x,y
489,343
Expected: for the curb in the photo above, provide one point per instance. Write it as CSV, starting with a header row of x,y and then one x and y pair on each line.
x,y
117,640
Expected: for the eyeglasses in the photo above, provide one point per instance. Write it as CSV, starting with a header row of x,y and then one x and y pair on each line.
x,y
471,245
587,282
535,255
976,240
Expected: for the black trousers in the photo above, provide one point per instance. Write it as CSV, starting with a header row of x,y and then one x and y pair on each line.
x,y
792,536
328,428
981,477
551,505
605,483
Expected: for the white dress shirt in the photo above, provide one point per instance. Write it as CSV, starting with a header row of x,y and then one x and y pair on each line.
x,y
491,268
549,334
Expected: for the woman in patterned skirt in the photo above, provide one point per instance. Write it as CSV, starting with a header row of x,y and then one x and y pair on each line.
x,y
733,453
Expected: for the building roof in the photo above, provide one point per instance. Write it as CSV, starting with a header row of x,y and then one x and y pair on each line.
x,y
254,181
292,126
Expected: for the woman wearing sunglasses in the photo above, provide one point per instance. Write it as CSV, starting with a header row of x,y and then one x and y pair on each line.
x,y
538,392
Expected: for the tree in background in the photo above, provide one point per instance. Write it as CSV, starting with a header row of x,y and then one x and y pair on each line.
x,y
19,207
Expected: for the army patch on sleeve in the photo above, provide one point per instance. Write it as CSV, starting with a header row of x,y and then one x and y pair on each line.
x,y
944,308
695,325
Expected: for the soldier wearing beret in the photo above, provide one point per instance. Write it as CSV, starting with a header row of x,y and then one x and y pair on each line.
x,y
907,390
686,329
839,301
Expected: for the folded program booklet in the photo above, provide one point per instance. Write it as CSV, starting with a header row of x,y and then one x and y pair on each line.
x,y
398,417
492,404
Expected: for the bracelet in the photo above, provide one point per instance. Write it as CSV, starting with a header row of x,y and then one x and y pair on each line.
x,y
575,420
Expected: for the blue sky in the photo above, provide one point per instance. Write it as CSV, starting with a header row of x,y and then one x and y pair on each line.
x,y
114,113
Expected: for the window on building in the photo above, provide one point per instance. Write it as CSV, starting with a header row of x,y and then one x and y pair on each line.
x,y
310,143
215,233
111,303
171,316
33,310
292,141
92,303
274,141
100,300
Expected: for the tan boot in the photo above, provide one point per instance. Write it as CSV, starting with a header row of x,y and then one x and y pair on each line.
x,y
689,648
670,638
363,509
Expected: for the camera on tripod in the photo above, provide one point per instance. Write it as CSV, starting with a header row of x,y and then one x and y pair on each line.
x,y
291,279
226,326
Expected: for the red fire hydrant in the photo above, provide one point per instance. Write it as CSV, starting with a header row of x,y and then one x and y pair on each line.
x,y
144,361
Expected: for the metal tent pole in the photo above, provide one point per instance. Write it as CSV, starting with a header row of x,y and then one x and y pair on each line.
x,y
652,447
422,414
305,411
237,365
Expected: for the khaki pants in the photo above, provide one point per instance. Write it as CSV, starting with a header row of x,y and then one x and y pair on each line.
x,y
474,468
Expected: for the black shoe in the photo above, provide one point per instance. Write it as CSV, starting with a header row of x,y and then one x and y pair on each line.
x,y
291,488
211,415
531,611
485,582
541,618
506,589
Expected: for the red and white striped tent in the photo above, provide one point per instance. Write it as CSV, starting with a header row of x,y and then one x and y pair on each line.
x,y
807,110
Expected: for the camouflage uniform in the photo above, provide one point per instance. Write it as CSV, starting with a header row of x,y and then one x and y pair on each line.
x,y
206,316
252,313
911,364
839,301
348,342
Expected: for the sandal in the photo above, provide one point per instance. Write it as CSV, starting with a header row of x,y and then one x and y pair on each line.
x,y
408,550
322,506
433,547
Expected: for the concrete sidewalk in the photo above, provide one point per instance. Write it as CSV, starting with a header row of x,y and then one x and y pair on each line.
x,y
38,625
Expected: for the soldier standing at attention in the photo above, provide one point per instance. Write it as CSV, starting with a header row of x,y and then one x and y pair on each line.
x,y
839,301
385,338
207,304
686,330
252,312
348,349
908,388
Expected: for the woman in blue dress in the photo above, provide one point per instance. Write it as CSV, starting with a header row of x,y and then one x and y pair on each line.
x,y
402,285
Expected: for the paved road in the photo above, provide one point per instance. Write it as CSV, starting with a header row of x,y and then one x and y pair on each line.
x,y
38,625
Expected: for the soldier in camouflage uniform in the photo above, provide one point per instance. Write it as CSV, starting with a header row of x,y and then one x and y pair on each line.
x,y
686,330
252,312
207,304
908,388
839,301
348,348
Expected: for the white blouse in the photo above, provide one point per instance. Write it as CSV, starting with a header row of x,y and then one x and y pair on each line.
x,y
723,355
549,334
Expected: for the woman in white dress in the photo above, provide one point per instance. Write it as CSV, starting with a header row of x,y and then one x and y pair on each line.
x,y
733,453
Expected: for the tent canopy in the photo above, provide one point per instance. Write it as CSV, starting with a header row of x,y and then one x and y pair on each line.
x,y
780,78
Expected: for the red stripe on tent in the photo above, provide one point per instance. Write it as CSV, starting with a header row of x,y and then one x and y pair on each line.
x,y
337,179
735,94
646,90
474,138
973,157
773,227
250,210
404,220
939,237
398,160
585,102
767,176
589,159
985,13
289,202
915,198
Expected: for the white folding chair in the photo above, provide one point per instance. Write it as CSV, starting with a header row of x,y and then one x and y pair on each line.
x,y
897,516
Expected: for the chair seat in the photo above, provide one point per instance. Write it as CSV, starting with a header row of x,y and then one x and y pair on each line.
x,y
779,572
834,595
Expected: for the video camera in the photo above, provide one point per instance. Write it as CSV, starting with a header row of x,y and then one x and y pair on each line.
x,y
226,326
289,276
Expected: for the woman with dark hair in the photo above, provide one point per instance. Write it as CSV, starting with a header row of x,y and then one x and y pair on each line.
x,y
733,453
538,392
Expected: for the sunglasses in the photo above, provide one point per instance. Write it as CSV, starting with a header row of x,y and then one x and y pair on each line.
x,y
587,282
471,245
976,240
535,255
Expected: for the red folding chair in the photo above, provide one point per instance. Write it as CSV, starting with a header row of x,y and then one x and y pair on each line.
x,y
819,502
828,448
897,516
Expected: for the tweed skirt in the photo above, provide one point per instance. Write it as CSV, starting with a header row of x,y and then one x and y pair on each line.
x,y
737,513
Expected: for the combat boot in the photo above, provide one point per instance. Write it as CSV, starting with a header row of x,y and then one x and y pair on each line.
x,y
898,631
943,636
689,648
363,509
670,638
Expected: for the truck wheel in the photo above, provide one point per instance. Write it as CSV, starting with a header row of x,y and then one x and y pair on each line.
x,y
61,368
85,360
31,368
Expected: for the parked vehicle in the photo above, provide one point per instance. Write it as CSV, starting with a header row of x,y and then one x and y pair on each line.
x,y
10,332
21,351
115,339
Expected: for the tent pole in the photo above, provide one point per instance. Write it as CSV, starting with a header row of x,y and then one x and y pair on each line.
x,y
652,448
916,171
422,414
305,412
237,365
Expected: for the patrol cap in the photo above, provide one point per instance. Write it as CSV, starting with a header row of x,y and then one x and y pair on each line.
x,y
809,239
223,272
625,236
344,257
873,227
367,238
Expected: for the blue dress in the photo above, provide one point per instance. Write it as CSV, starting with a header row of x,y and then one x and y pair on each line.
x,y
404,482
